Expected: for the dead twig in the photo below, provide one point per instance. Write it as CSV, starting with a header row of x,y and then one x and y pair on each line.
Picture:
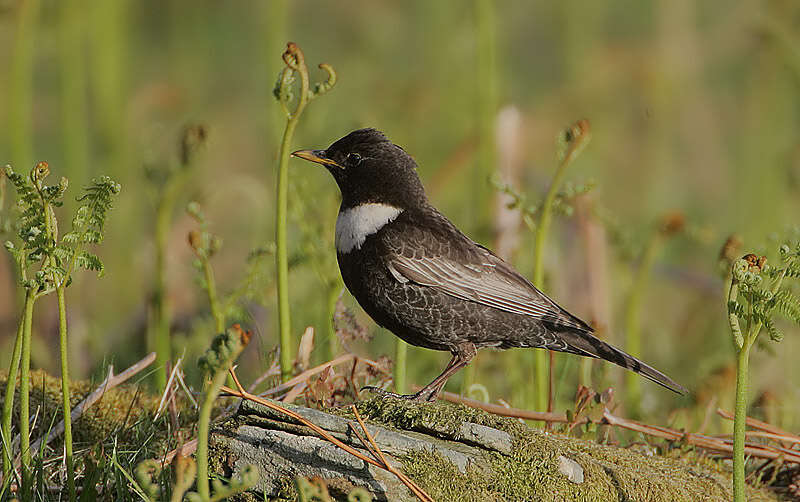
x,y
273,371
186,390
378,454
711,443
186,449
720,445
293,393
758,424
504,411
242,393
295,383
302,377
775,437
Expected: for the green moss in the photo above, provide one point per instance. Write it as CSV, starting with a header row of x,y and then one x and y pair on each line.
x,y
429,470
442,419
531,471
125,413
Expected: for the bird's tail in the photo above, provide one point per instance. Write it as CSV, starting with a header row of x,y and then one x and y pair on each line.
x,y
585,344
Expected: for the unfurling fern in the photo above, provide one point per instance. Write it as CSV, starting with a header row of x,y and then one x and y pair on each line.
x,y
45,264
88,223
758,291
37,227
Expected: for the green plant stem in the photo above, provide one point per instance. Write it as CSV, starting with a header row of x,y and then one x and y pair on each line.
x,y
544,222
742,362
540,367
281,214
275,17
67,405
633,341
400,366
740,422
213,301
73,89
20,100
487,108
160,337
203,424
211,289
585,372
24,395
8,401
334,293
468,377
109,21
51,227
2,197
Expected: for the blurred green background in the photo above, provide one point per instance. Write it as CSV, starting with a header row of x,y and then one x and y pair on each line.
x,y
694,110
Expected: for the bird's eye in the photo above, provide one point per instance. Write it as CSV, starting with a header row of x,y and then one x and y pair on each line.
x,y
353,159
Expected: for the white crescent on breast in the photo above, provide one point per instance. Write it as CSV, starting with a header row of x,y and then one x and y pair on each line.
x,y
355,224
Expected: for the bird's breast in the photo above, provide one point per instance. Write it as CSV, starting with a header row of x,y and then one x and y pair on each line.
x,y
355,224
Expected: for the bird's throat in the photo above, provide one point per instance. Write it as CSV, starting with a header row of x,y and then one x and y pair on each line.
x,y
355,224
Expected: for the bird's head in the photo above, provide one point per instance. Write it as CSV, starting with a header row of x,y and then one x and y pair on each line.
x,y
370,169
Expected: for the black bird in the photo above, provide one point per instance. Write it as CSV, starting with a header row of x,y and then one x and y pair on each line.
x,y
417,275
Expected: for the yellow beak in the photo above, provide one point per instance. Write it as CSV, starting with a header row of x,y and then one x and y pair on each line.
x,y
317,156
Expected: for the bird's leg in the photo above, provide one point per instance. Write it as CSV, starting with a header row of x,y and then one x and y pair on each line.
x,y
462,355
419,396
416,397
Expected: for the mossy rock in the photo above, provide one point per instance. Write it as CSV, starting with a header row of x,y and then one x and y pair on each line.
x,y
459,453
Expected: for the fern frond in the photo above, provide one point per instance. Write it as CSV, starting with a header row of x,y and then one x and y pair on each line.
x,y
19,257
774,333
736,308
54,193
788,304
91,217
30,225
91,236
49,276
71,237
80,218
63,254
25,190
793,269
89,261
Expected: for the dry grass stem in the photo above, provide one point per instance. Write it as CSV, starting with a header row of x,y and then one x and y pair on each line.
x,y
758,424
302,377
273,371
505,410
110,382
168,389
242,393
715,444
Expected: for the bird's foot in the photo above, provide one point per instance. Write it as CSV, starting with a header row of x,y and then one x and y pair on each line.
x,y
419,396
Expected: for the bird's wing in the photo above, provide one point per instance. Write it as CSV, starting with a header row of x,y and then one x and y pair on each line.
x,y
441,257
448,261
